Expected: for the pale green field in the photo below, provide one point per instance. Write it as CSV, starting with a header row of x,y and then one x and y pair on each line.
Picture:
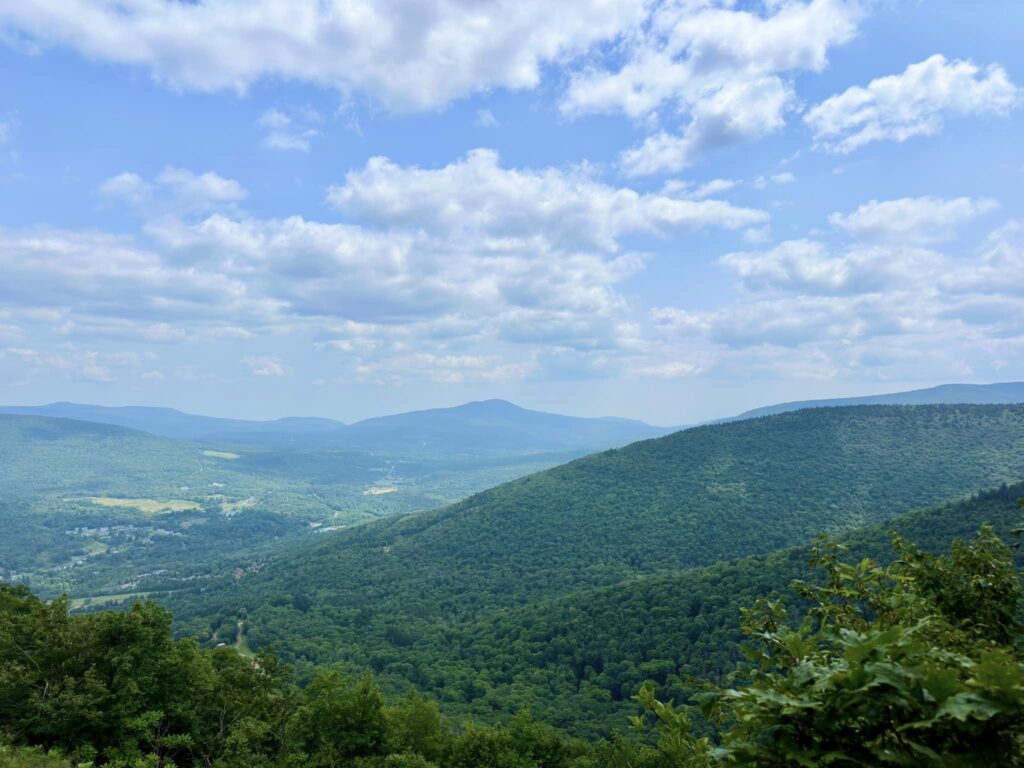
x,y
81,602
148,506
231,507
222,455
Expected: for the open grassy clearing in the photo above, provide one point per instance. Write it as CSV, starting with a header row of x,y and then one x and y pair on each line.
x,y
232,507
222,455
379,491
82,602
149,506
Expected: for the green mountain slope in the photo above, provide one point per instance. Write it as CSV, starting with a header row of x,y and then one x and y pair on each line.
x,y
686,500
578,659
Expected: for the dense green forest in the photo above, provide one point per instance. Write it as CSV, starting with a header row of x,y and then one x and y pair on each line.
x,y
686,500
576,660
917,663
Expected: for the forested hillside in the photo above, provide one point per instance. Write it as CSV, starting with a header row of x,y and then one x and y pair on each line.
x,y
367,596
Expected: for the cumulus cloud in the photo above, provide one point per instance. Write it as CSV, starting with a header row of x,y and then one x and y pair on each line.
x,y
438,260
407,56
912,219
485,119
477,195
762,182
912,103
106,276
998,270
884,305
808,267
443,368
71,365
722,70
285,133
265,366
734,113
174,189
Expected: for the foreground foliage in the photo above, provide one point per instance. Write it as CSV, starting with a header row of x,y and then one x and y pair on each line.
x,y
917,664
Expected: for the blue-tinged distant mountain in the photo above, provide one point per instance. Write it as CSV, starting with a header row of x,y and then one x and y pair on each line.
x,y
495,424
944,394
168,422
490,425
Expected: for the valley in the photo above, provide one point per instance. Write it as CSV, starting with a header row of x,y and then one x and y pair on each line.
x,y
133,510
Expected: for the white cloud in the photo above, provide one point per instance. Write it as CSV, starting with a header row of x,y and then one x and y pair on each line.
x,y
407,56
913,103
265,366
439,268
443,368
71,365
735,112
999,270
912,219
476,195
762,182
721,69
127,187
485,119
284,133
205,187
672,370
92,370
880,308
807,267
106,276
174,189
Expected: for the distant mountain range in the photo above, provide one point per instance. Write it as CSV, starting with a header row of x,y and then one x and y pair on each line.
x,y
489,425
481,426
949,394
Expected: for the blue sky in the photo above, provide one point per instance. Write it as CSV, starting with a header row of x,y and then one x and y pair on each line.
x,y
666,210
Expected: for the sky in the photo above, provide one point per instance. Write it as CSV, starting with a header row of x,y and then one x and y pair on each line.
x,y
669,210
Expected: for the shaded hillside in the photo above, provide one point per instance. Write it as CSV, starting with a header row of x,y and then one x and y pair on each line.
x,y
944,394
686,500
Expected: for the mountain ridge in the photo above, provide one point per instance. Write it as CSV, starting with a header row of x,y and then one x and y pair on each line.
x,y
484,425
943,394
